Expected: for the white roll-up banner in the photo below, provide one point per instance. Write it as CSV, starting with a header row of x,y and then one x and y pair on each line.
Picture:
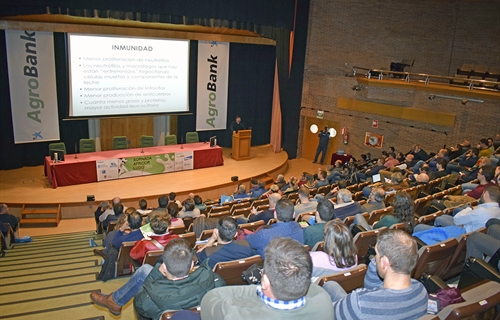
x,y
213,73
32,81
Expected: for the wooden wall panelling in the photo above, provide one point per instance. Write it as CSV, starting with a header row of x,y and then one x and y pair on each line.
x,y
407,113
310,141
131,127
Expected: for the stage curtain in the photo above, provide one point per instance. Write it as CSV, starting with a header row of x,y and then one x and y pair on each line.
x,y
276,115
291,78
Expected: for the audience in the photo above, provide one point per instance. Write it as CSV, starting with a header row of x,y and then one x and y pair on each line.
x,y
114,214
485,177
375,200
162,206
173,211
171,198
345,206
110,235
293,186
305,205
285,292
170,277
240,192
480,244
264,215
134,222
143,207
198,202
103,217
258,188
6,217
396,296
159,224
101,208
221,246
469,219
419,153
339,253
402,213
321,182
189,209
315,232
285,226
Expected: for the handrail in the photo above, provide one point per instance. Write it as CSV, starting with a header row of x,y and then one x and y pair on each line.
x,y
426,77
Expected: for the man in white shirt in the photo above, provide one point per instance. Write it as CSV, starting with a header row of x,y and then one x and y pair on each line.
x,y
472,219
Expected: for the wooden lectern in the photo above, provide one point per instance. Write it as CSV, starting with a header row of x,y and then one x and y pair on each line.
x,y
241,144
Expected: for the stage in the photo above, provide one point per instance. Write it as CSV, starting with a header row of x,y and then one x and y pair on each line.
x,y
28,185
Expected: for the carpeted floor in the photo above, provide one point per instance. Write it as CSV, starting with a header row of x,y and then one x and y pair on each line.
x,y
52,277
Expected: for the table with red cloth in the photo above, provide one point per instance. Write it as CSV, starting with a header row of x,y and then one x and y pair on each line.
x,y
73,171
342,157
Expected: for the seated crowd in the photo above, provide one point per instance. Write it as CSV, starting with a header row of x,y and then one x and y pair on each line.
x,y
304,231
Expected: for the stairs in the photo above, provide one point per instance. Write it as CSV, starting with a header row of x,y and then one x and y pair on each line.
x,y
40,214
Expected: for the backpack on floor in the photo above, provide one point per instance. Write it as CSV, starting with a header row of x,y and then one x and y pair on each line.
x,y
109,267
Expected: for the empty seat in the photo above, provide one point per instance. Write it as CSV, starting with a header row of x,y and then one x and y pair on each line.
x,y
87,145
120,142
349,280
177,230
457,261
57,146
231,271
205,234
434,259
252,226
376,215
190,237
219,214
170,139
151,257
243,211
147,141
123,264
364,240
421,205
479,300
192,137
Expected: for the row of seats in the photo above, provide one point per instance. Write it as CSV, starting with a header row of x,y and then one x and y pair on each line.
x,y
121,142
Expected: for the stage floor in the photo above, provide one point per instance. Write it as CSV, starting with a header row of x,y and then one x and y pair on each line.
x,y
28,185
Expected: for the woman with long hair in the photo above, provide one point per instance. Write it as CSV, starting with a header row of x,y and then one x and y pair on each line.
x,y
173,211
402,213
339,251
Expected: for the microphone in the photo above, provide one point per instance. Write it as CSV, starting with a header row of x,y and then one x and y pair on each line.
x,y
76,152
142,151
182,142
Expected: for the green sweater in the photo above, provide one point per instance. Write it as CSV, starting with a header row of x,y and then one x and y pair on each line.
x,y
242,302
159,293
386,221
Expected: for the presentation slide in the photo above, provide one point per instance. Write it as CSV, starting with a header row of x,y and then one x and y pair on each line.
x,y
114,76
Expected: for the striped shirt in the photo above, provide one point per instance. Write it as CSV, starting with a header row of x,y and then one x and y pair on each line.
x,y
375,302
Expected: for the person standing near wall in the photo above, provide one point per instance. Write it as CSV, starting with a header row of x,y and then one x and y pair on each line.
x,y
324,138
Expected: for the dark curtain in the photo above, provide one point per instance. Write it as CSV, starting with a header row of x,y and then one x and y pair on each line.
x,y
32,154
250,89
291,86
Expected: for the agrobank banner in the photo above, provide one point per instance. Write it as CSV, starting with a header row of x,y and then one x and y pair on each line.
x,y
32,81
213,73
